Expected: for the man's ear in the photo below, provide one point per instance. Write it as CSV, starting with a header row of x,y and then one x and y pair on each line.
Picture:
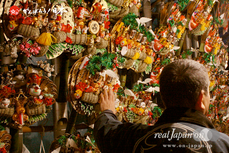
x,y
200,104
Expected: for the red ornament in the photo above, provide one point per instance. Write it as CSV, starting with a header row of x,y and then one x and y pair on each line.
x,y
14,10
3,150
82,13
66,28
6,91
107,24
48,101
68,40
118,40
34,79
27,21
97,8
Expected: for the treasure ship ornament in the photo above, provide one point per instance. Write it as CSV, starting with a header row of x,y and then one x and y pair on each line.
x,y
172,28
213,41
201,18
88,78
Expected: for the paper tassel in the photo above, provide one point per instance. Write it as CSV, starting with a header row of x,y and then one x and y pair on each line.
x,y
46,39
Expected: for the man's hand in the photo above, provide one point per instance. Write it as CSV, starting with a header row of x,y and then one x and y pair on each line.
x,y
107,100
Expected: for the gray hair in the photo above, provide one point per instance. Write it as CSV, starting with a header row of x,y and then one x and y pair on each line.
x,y
181,83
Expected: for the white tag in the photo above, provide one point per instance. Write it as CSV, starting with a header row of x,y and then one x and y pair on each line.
x,y
25,150
124,50
221,16
152,89
130,93
176,47
83,63
151,31
143,104
143,20
145,81
91,126
56,151
174,28
153,105
72,143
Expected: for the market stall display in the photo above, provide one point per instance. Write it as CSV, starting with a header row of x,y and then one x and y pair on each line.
x,y
104,39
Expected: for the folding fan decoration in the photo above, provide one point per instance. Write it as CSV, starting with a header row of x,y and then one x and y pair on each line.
x,y
87,79
25,96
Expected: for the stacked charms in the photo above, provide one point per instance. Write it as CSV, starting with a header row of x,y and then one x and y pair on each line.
x,y
26,96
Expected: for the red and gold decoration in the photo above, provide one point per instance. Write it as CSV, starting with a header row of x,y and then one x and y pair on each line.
x,y
26,96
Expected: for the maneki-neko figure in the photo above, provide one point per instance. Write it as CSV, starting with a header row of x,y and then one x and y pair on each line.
x,y
5,93
34,89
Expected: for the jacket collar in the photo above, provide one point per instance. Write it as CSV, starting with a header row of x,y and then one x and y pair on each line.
x,y
182,114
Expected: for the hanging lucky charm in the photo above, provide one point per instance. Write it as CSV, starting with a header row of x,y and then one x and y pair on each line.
x,y
20,117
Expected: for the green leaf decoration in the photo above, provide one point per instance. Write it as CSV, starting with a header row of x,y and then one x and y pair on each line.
x,y
120,92
111,7
136,64
56,50
165,61
1,128
148,69
62,140
78,2
156,112
210,2
103,50
76,49
121,59
132,106
30,42
138,87
130,20
96,63
37,118
182,4
70,3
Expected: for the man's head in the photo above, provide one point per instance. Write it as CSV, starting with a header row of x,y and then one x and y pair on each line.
x,y
185,83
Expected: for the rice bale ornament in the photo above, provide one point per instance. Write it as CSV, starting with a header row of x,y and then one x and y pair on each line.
x,y
87,79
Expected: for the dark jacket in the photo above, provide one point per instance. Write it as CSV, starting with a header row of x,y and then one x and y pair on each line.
x,y
177,130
